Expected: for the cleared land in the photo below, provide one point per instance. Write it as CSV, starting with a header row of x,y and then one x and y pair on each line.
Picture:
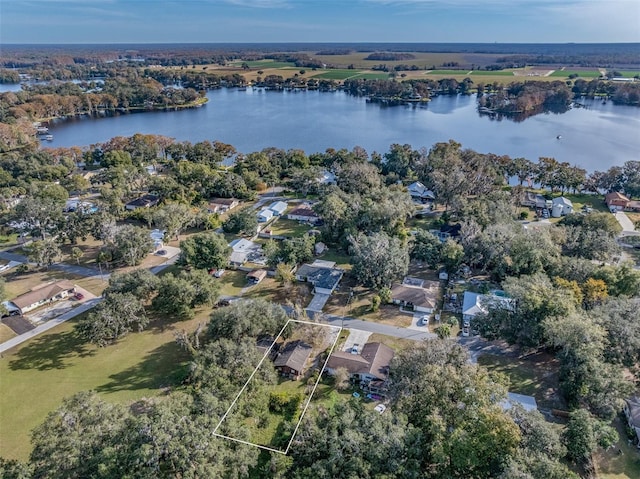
x,y
58,364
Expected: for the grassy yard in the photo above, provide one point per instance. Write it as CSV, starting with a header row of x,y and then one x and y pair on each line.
x,y
397,344
38,374
8,240
580,73
610,464
6,333
288,228
536,375
17,284
232,282
270,290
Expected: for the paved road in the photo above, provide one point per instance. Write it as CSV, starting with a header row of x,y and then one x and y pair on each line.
x,y
396,332
8,256
12,343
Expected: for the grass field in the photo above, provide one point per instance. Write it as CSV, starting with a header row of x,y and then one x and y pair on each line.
x,y
580,73
263,64
337,74
6,333
630,74
38,374
288,228
506,73
535,375
372,76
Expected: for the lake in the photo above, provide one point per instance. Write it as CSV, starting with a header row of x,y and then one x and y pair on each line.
x,y
595,137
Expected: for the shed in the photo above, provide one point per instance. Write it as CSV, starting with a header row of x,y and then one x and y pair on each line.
x,y
254,277
561,207
265,215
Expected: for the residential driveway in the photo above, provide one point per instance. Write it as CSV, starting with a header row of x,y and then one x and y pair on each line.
x,y
356,337
18,324
416,323
370,326
625,222
317,302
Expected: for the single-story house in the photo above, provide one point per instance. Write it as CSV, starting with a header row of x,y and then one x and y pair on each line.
x,y
476,303
447,231
370,368
324,276
254,277
535,200
46,293
303,213
416,294
528,403
292,358
327,178
419,192
616,201
146,201
278,207
264,215
631,410
222,205
561,207
241,249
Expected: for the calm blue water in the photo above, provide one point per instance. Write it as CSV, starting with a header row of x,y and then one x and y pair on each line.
x,y
594,138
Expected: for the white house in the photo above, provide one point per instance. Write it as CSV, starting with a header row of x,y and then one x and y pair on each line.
x,y
420,192
476,303
561,207
243,250
46,293
303,213
265,215
416,294
278,207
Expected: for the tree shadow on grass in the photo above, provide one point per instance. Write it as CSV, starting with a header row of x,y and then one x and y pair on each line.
x,y
51,351
163,367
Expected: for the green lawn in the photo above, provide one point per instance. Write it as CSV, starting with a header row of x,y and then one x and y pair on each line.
x,y
372,76
232,282
263,64
580,73
289,228
535,375
38,374
505,73
630,74
9,240
448,72
610,464
338,74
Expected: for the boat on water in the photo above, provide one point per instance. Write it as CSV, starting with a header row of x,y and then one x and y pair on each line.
x,y
48,137
42,130
559,137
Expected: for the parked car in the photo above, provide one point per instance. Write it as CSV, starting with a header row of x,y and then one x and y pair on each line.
x,y
161,252
78,296
218,273
355,349
424,320
380,408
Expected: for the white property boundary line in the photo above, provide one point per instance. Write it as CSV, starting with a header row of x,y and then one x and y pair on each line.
x,y
286,451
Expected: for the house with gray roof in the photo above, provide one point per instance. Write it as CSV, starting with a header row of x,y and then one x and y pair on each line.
x,y
631,410
278,207
292,359
370,368
321,274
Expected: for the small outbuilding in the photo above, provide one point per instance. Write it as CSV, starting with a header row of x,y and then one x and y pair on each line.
x,y
561,207
256,276
278,207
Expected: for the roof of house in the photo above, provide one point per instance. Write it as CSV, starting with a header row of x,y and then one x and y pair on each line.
x,y
562,201
266,213
303,211
615,196
374,359
144,201
424,295
633,405
278,206
321,276
476,303
42,293
294,355
241,244
417,188
528,403
223,201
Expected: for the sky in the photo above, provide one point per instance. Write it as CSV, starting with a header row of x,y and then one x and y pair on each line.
x,y
257,21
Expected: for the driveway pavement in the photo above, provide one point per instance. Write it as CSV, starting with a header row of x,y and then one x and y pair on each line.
x,y
625,222
356,337
396,332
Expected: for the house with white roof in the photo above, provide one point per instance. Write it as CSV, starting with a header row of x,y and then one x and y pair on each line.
x,y
528,403
265,215
477,303
278,207
561,207
242,250
420,192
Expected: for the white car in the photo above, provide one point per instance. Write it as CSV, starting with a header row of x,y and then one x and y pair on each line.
x,y
380,408
424,320
355,349
218,273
